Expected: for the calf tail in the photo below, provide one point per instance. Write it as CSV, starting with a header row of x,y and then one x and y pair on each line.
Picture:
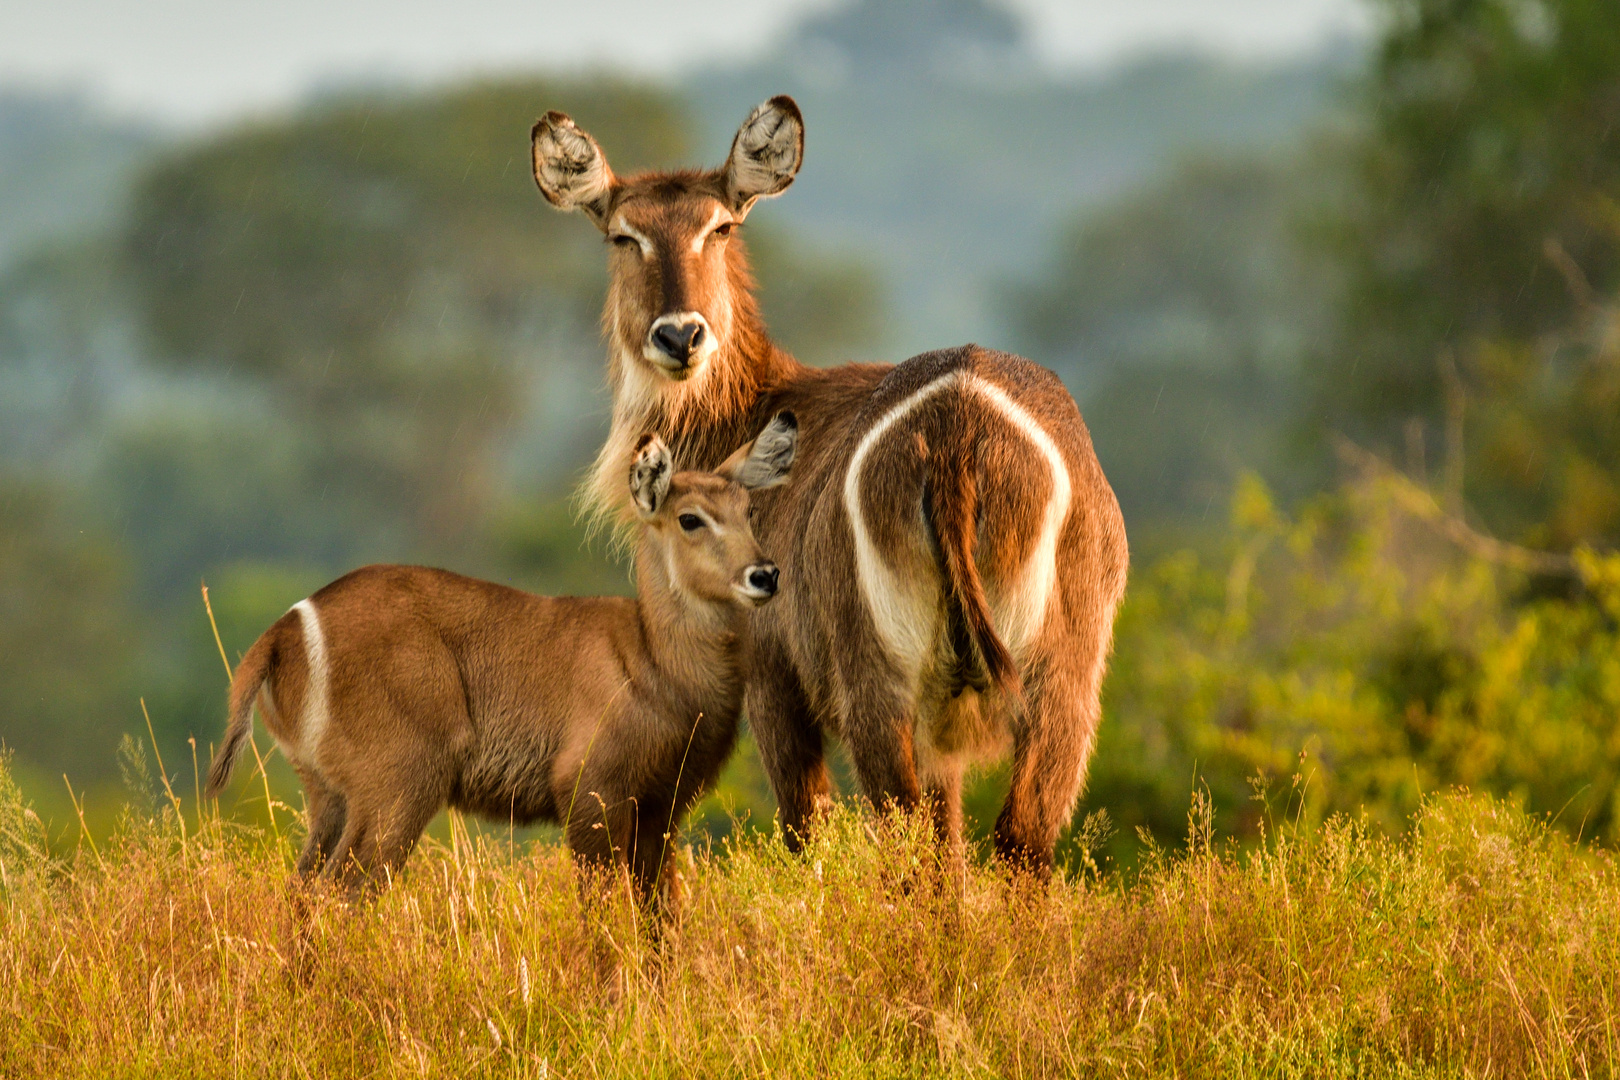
x,y
953,510
251,674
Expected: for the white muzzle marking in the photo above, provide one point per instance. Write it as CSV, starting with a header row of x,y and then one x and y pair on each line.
x,y
668,364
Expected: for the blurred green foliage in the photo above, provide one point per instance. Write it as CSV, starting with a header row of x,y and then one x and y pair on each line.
x,y
68,642
1437,277
1352,659
1179,317
1481,225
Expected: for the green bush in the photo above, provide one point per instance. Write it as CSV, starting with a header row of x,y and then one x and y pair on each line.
x,y
1353,646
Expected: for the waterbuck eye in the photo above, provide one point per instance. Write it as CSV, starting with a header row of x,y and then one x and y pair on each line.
x,y
690,522
621,240
723,231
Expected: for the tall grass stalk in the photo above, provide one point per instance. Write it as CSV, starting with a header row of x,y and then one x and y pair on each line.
x,y
1481,943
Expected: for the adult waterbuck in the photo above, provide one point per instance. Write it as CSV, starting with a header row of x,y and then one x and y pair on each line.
x,y
951,553
398,690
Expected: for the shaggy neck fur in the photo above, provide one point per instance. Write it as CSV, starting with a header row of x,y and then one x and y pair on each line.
x,y
705,417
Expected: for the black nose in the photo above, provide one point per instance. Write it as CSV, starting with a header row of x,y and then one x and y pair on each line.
x,y
764,578
678,342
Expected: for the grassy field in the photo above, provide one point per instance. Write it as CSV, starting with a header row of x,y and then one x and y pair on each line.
x,y
1480,944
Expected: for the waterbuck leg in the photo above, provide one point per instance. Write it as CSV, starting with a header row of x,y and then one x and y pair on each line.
x,y
602,831
790,744
1051,750
342,866
880,746
943,796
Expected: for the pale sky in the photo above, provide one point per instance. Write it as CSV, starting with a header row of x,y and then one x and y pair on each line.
x,y
200,61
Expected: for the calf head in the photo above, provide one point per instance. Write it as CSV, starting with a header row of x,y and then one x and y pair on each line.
x,y
698,522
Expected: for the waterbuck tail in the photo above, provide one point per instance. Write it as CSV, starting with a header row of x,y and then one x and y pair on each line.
x,y
250,676
953,510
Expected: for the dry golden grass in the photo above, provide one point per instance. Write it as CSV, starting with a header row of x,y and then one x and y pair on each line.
x,y
1482,944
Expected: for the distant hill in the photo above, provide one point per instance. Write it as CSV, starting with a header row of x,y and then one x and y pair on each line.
x,y
939,151
938,146
65,169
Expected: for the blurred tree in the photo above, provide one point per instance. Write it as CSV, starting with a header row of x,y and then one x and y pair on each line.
x,y
1201,267
387,271
824,308
1179,316
68,636
65,167
1540,427
67,353
1482,219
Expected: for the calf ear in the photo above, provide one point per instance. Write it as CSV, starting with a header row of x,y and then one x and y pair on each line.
x,y
650,472
766,154
570,168
765,462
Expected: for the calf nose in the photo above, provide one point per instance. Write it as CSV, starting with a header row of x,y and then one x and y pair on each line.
x,y
764,579
678,341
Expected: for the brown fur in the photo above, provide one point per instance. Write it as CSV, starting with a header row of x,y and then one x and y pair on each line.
x,y
606,715
918,676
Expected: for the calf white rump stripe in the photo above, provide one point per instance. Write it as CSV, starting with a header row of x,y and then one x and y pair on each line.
x,y
312,725
902,616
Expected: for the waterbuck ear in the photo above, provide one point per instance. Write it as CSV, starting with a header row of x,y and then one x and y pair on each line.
x,y
765,462
766,154
570,168
650,472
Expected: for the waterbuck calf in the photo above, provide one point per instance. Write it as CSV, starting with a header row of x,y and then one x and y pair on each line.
x,y
954,552
398,690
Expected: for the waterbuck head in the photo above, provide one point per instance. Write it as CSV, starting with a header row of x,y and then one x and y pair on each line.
x,y
680,286
697,523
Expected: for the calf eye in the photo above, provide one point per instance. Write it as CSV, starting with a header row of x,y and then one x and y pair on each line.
x,y
690,522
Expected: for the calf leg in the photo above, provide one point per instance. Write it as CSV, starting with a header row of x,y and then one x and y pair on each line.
x,y
326,811
376,841
342,865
